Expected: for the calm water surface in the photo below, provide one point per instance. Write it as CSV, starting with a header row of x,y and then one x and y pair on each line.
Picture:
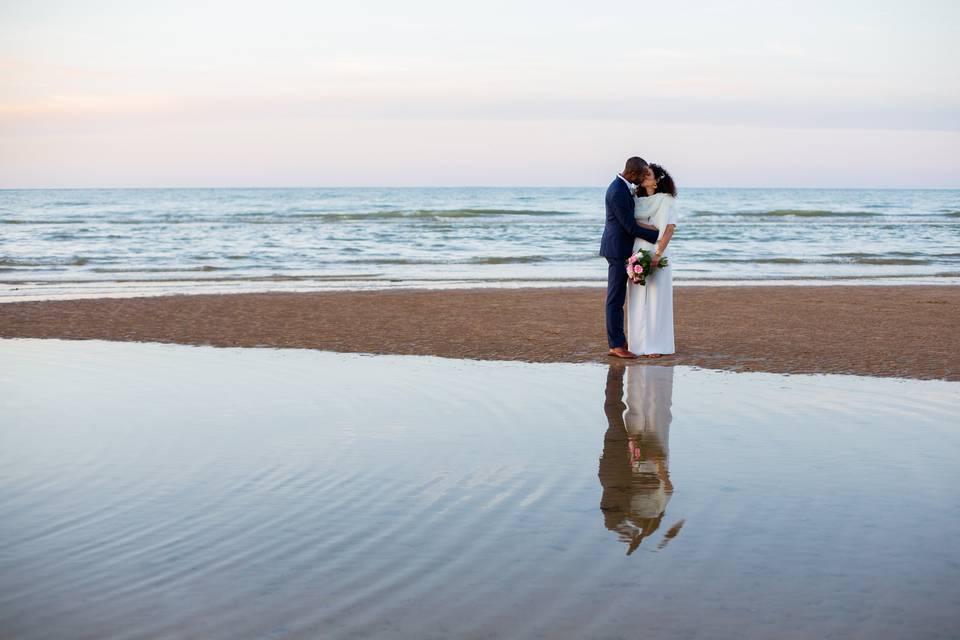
x,y
166,491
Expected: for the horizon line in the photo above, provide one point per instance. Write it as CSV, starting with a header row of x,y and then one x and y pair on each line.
x,y
529,186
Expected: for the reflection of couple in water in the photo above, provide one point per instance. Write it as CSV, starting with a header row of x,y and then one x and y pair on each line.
x,y
634,467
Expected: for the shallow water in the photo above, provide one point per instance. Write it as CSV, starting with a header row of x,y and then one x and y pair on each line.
x,y
161,490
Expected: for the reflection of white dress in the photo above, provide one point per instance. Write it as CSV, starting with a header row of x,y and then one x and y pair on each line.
x,y
650,306
647,419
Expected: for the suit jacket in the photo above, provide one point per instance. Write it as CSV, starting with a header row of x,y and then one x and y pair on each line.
x,y
620,228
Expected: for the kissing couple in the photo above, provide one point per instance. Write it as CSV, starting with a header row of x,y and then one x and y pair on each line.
x,y
640,215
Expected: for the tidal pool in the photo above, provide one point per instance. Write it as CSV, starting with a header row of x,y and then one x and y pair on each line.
x,y
167,491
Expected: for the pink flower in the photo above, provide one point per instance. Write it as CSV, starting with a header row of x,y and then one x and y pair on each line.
x,y
638,268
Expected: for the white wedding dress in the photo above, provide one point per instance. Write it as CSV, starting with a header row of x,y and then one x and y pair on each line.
x,y
650,306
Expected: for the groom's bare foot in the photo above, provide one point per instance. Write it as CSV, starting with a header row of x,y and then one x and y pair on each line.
x,y
621,352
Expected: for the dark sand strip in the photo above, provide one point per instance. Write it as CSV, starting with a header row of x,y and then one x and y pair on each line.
x,y
902,331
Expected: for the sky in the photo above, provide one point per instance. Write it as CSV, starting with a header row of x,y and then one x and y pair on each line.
x,y
438,93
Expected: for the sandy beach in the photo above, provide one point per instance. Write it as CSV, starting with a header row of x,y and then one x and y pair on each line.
x,y
906,331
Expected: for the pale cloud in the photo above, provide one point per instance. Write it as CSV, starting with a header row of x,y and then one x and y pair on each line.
x,y
214,71
348,152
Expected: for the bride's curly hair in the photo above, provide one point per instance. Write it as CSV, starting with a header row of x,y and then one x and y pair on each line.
x,y
664,180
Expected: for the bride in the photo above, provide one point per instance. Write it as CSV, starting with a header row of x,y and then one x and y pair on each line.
x,y
650,306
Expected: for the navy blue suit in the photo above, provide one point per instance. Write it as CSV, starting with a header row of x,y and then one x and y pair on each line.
x,y
616,246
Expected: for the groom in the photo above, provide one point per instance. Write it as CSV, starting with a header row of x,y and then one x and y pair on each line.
x,y
617,245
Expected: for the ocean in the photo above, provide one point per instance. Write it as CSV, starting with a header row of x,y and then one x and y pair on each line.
x,y
74,243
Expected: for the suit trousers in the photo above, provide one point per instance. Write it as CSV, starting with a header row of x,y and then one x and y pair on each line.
x,y
616,294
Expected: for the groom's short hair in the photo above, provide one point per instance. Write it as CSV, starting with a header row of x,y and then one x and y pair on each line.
x,y
634,165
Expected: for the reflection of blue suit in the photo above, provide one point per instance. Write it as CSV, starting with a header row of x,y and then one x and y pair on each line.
x,y
616,246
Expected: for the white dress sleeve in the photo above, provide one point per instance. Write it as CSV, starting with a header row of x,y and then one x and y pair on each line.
x,y
672,215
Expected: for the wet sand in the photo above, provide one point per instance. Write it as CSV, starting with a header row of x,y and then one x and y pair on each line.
x,y
899,331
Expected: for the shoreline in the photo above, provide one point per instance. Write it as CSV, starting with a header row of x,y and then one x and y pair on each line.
x,y
68,290
904,331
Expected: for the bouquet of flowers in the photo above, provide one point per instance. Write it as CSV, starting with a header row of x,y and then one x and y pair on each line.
x,y
640,266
